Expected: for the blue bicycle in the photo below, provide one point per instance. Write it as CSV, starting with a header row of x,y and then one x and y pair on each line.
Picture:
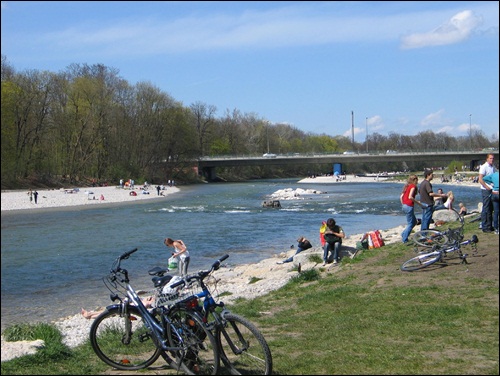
x,y
242,347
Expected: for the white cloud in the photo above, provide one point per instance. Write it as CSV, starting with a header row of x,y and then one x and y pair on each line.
x,y
465,127
457,29
375,124
446,129
434,119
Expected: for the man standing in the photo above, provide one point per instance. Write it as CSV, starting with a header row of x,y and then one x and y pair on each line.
x,y
486,169
427,199
492,179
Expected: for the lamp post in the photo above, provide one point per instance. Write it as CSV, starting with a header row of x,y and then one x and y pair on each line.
x,y
470,131
366,122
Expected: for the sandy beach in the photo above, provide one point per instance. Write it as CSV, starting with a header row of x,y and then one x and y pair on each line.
x,y
56,198
235,280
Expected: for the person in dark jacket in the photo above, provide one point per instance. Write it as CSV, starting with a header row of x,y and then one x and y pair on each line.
x,y
303,244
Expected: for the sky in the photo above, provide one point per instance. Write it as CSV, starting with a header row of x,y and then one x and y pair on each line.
x,y
322,67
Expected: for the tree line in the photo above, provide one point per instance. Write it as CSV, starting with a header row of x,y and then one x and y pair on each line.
x,y
87,124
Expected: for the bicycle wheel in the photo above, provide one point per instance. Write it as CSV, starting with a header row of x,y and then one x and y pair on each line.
x,y
429,238
244,351
123,341
200,353
421,261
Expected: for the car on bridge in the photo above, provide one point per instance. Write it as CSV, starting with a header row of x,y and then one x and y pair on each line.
x,y
269,155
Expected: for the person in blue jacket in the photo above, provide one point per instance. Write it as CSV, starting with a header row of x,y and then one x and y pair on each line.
x,y
492,180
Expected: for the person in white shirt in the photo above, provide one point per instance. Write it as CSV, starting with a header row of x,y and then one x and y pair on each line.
x,y
486,169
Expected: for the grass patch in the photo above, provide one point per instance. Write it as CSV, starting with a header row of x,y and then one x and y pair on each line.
x,y
254,280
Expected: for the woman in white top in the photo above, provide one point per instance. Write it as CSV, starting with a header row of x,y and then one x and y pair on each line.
x,y
181,252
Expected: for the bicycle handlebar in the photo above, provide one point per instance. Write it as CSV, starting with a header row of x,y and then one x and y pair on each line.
x,y
127,254
201,274
116,269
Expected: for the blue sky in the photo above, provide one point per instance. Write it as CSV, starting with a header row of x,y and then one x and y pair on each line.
x,y
401,67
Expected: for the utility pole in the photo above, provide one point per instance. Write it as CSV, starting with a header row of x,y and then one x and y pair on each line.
x,y
470,131
366,122
352,128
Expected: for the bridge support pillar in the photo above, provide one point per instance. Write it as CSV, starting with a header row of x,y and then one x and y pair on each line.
x,y
209,173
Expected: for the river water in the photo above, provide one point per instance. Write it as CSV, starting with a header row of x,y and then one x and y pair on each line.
x,y
53,261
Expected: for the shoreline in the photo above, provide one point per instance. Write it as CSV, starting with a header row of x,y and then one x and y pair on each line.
x,y
79,198
383,179
87,197
233,279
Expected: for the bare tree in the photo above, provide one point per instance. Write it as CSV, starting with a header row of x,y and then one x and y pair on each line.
x,y
204,120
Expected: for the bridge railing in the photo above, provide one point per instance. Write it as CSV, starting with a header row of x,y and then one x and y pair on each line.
x,y
392,152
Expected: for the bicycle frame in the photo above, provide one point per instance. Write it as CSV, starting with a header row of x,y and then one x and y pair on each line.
x,y
210,305
437,253
446,236
242,347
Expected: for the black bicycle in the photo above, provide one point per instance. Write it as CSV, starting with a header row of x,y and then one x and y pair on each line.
x,y
129,336
242,347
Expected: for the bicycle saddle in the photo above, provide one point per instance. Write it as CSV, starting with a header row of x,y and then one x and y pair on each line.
x,y
161,281
160,272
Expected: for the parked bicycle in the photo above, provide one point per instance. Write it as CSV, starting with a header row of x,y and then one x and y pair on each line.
x,y
439,252
128,336
242,347
449,233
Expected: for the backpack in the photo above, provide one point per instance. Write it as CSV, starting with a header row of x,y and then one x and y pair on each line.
x,y
374,239
322,230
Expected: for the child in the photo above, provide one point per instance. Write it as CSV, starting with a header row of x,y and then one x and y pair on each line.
x,y
449,202
463,209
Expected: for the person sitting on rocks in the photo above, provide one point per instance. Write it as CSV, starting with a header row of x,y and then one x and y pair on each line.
x,y
463,209
303,244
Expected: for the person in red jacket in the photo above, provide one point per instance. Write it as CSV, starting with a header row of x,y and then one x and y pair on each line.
x,y
408,200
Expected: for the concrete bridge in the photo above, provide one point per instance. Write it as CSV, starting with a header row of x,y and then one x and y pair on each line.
x,y
207,165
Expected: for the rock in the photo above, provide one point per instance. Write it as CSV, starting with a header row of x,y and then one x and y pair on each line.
x,y
271,204
11,350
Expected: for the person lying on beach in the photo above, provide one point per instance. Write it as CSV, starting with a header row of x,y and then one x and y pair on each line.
x,y
148,303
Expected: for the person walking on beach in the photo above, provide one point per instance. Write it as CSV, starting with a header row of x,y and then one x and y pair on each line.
x,y
30,195
427,199
408,200
486,169
303,244
35,196
181,252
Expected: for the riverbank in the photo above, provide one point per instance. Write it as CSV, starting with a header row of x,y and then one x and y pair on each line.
x,y
236,280
342,179
83,197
